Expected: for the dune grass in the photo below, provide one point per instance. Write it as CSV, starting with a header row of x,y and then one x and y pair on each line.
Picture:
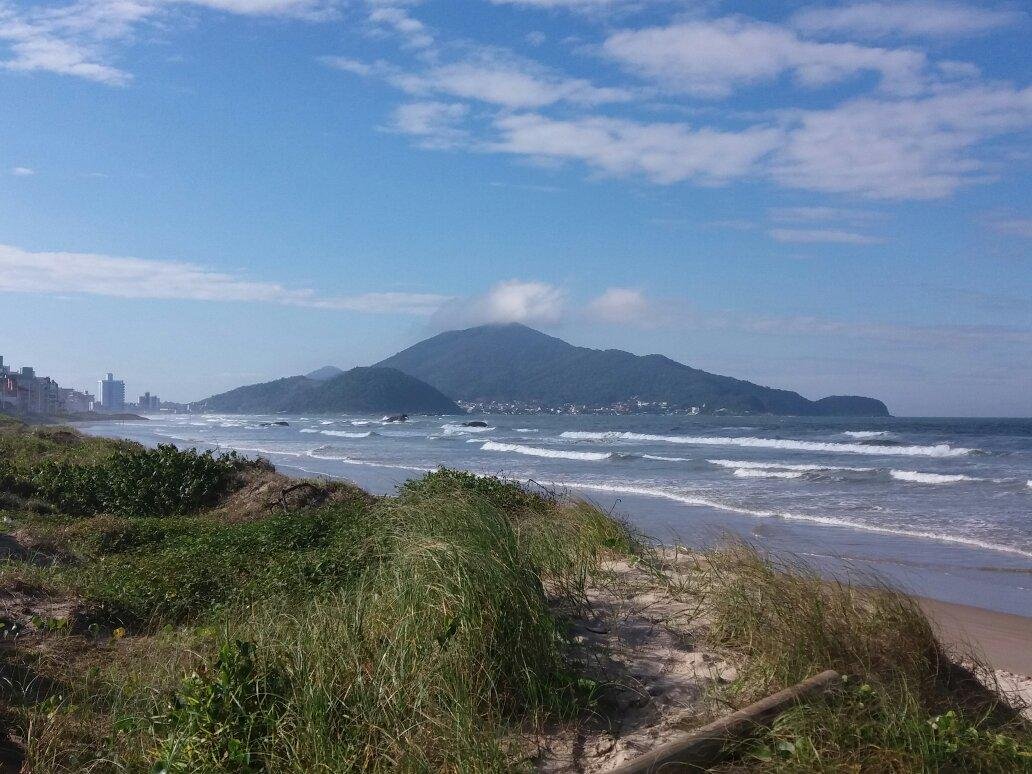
x,y
906,704
412,633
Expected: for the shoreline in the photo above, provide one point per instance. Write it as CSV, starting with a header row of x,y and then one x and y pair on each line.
x,y
948,574
1003,639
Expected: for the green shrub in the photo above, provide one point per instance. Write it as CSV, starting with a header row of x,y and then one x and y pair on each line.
x,y
137,482
171,570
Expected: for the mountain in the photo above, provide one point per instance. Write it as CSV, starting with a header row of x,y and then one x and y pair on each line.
x,y
514,363
359,390
326,372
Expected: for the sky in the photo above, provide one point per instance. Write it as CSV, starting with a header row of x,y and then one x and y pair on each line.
x,y
828,197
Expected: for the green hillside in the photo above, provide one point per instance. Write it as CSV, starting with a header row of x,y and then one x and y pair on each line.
x,y
359,390
508,363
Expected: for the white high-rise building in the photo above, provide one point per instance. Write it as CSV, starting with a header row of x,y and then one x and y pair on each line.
x,y
112,393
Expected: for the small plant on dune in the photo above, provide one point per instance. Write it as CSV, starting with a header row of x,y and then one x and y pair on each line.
x,y
219,719
872,727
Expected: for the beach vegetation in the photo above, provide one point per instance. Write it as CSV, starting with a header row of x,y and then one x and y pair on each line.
x,y
419,632
906,702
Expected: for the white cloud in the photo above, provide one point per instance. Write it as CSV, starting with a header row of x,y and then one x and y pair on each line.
x,y
892,149
22,171
922,148
435,123
712,58
511,84
23,271
624,306
532,303
489,75
663,152
820,213
819,235
76,39
397,19
575,5
916,18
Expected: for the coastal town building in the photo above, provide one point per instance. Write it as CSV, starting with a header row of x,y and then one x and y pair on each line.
x,y
149,402
23,392
74,401
112,393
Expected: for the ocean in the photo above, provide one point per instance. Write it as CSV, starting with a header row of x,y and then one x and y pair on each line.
x,y
941,507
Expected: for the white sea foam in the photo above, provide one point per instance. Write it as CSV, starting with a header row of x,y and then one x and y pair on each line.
x,y
868,433
664,459
917,477
527,430
313,453
310,430
938,450
465,429
533,451
825,520
361,422
742,464
346,434
766,473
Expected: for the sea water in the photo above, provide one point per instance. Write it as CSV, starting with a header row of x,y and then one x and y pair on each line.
x,y
940,506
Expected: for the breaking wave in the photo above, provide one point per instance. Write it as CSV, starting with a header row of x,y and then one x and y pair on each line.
x,y
767,473
938,450
868,434
533,451
664,459
930,478
825,520
464,429
742,464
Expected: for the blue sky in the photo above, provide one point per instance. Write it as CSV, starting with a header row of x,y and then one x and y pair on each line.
x,y
832,198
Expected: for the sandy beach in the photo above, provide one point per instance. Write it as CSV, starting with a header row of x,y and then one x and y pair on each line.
x,y
1004,639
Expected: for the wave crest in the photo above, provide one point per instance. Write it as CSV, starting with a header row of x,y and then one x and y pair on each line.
x,y
938,450
533,451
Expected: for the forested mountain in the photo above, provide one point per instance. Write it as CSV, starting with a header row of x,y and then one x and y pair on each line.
x,y
514,363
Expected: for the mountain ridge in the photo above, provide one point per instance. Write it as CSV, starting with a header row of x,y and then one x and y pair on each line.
x,y
512,363
360,390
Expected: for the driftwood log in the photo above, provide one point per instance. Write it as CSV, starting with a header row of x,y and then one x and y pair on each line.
x,y
708,745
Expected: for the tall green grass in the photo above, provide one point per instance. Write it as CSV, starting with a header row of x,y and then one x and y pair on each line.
x,y
905,706
445,640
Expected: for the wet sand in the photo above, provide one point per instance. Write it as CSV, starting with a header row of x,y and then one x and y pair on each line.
x,y
1005,640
